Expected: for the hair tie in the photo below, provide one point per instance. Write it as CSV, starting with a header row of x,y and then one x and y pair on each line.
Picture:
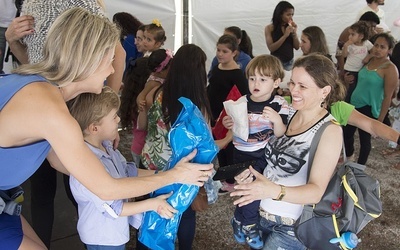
x,y
164,63
156,22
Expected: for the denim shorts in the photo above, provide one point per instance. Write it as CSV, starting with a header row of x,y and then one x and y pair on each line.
x,y
277,236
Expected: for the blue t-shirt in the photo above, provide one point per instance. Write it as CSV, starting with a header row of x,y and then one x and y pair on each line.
x,y
131,50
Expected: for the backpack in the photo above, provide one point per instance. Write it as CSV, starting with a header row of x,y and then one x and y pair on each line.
x,y
351,200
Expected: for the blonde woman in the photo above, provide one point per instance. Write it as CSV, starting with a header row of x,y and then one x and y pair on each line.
x,y
36,96
26,36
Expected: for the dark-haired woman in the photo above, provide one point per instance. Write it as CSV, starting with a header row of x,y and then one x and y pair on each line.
x,y
281,36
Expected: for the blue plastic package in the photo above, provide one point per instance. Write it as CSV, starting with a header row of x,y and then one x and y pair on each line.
x,y
190,131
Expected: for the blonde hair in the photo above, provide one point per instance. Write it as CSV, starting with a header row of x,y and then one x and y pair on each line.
x,y
101,4
266,65
89,108
75,46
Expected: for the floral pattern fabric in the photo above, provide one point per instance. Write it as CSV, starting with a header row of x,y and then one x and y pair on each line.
x,y
156,151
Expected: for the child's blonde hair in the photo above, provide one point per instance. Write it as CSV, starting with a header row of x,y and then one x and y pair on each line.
x,y
266,65
89,108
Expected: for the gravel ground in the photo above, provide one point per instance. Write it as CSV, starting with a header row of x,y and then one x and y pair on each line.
x,y
214,231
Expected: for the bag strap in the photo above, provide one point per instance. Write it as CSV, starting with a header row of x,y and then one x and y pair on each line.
x,y
314,146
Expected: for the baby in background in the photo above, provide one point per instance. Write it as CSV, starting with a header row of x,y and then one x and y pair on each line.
x,y
356,51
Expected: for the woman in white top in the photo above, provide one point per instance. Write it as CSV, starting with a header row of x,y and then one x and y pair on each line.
x,y
283,187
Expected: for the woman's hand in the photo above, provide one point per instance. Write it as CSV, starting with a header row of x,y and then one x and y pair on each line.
x,y
244,177
227,121
20,27
164,209
186,172
294,26
249,192
288,31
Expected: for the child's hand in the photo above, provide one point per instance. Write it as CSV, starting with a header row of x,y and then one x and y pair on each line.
x,y
348,43
271,114
227,121
348,78
164,209
141,105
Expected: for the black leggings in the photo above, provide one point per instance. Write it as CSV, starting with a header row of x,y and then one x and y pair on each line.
x,y
365,138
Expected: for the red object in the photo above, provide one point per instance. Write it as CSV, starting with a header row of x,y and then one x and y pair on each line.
x,y
219,131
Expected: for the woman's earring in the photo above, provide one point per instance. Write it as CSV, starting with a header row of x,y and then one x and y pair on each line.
x,y
322,103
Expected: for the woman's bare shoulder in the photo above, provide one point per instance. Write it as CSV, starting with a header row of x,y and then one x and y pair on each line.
x,y
269,27
37,106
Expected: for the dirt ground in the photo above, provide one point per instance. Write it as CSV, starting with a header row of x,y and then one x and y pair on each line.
x,y
214,231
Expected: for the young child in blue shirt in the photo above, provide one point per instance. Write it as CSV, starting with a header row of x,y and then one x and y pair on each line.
x,y
106,222
267,115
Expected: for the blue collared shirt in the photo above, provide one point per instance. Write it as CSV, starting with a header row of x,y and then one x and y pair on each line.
x,y
95,226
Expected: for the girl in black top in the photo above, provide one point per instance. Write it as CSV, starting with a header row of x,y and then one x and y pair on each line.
x,y
281,36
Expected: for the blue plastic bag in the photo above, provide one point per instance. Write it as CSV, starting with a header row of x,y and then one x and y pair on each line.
x,y
189,131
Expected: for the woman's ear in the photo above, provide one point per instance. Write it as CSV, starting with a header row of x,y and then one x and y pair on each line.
x,y
326,90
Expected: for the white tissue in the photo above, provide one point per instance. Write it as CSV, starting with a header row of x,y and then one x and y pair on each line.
x,y
238,111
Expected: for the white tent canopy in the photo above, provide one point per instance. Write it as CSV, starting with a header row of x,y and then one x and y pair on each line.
x,y
208,18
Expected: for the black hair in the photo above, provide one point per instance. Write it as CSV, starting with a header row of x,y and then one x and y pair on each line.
x,y
280,8
135,78
156,58
361,27
370,16
395,58
186,77
128,24
230,41
245,44
389,39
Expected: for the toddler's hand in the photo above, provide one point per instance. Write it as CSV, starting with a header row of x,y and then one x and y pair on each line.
x,y
271,114
164,209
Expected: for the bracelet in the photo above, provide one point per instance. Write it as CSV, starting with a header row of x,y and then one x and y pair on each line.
x,y
281,194
398,140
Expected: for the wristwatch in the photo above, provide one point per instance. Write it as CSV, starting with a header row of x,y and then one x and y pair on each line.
x,y
281,194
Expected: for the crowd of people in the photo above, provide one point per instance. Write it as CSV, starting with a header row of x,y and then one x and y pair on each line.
x,y
69,50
